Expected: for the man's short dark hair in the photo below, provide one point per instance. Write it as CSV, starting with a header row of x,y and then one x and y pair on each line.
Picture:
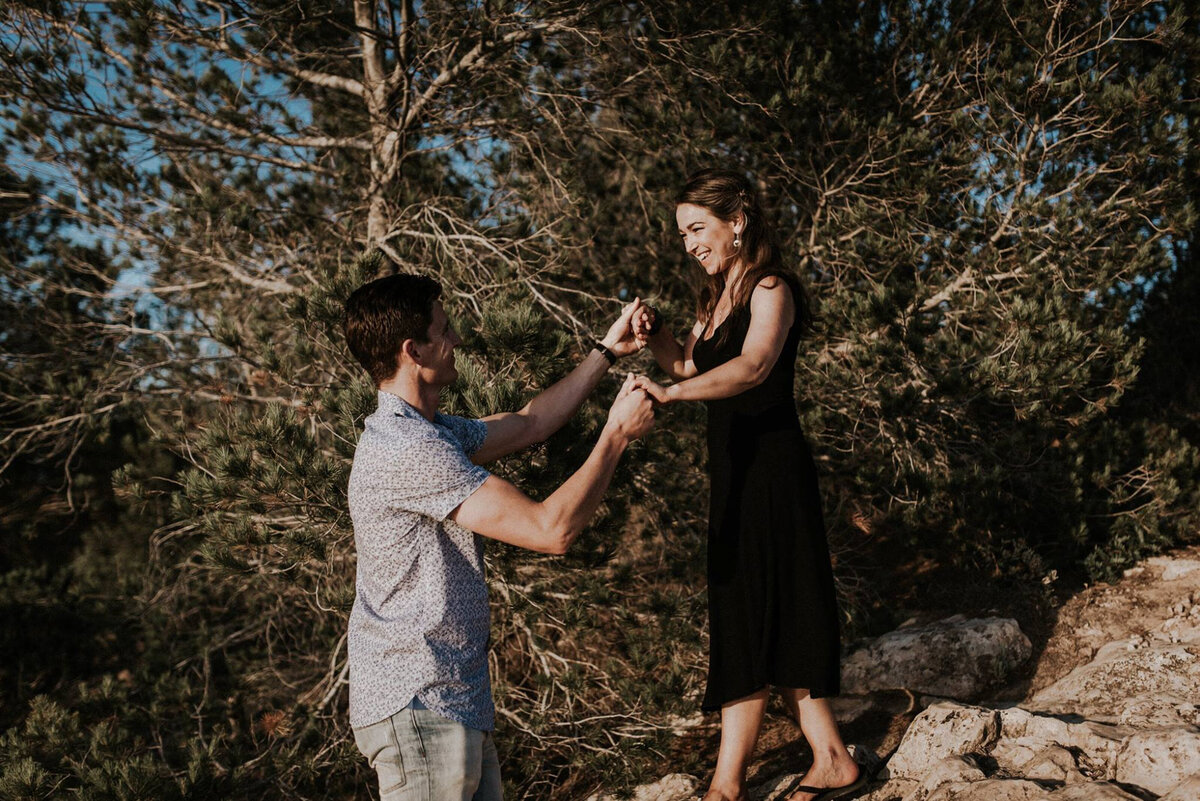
x,y
381,314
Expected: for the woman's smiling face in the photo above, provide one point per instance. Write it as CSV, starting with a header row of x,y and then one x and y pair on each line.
x,y
707,237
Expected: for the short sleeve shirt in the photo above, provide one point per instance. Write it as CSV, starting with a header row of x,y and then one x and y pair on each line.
x,y
419,626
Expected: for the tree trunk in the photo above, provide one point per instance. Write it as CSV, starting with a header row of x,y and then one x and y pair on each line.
x,y
383,138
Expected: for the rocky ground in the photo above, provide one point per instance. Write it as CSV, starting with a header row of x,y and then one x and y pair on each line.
x,y
1109,710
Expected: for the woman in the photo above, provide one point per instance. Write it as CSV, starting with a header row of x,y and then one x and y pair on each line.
x,y
773,618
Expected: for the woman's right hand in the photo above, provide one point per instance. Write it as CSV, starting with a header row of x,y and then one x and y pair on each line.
x,y
657,392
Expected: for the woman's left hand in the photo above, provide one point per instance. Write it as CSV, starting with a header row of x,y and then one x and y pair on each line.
x,y
657,392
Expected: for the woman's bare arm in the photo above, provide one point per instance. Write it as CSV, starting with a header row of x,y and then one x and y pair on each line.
x,y
772,311
673,358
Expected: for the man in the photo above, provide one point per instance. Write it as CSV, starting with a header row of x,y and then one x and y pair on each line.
x,y
420,698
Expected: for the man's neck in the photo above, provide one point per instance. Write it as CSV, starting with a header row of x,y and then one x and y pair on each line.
x,y
422,397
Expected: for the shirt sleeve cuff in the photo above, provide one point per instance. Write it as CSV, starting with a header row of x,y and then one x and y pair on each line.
x,y
452,498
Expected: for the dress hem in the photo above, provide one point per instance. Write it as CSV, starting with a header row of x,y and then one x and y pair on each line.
x,y
813,693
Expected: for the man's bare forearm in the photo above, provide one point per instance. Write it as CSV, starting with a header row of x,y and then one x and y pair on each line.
x,y
499,510
553,407
571,506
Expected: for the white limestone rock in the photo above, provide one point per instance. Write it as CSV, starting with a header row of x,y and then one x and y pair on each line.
x,y
1174,569
953,658
1186,790
1093,791
951,770
1053,764
1159,759
1152,684
943,730
991,790
1024,734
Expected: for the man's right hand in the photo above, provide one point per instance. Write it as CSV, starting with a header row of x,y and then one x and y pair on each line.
x,y
632,413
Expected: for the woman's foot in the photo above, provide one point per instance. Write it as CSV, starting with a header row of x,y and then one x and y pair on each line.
x,y
840,772
714,794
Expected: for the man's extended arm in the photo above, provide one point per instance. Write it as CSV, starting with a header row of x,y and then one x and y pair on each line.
x,y
510,432
501,511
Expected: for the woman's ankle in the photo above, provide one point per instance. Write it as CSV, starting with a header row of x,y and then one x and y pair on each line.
x,y
835,769
838,755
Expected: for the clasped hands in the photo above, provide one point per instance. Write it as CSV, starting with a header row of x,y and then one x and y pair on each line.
x,y
629,334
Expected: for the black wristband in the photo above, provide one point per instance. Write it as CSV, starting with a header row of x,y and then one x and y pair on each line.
x,y
605,352
657,325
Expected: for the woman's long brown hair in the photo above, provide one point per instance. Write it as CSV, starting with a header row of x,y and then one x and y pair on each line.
x,y
725,193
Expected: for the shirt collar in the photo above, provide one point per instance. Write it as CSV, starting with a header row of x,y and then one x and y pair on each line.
x,y
398,406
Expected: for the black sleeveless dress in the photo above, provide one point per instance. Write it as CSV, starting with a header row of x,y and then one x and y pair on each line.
x,y
772,608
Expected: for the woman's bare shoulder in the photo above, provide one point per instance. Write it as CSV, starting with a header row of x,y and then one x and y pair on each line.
x,y
772,285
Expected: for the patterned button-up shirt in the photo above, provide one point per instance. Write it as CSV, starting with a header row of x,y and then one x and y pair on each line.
x,y
419,626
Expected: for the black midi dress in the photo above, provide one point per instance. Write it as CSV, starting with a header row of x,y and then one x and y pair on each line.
x,y
773,616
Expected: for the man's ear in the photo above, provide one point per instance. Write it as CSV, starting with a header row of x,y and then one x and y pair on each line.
x,y
409,348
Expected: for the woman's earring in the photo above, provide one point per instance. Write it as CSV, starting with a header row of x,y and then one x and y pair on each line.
x,y
737,242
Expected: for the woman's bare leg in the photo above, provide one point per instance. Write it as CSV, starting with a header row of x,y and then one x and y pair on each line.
x,y
741,721
832,764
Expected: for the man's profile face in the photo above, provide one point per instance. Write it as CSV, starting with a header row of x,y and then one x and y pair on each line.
x,y
439,350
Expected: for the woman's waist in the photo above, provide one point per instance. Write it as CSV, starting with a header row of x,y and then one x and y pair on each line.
x,y
735,413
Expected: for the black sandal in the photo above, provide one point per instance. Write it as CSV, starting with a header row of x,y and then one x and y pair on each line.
x,y
828,793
